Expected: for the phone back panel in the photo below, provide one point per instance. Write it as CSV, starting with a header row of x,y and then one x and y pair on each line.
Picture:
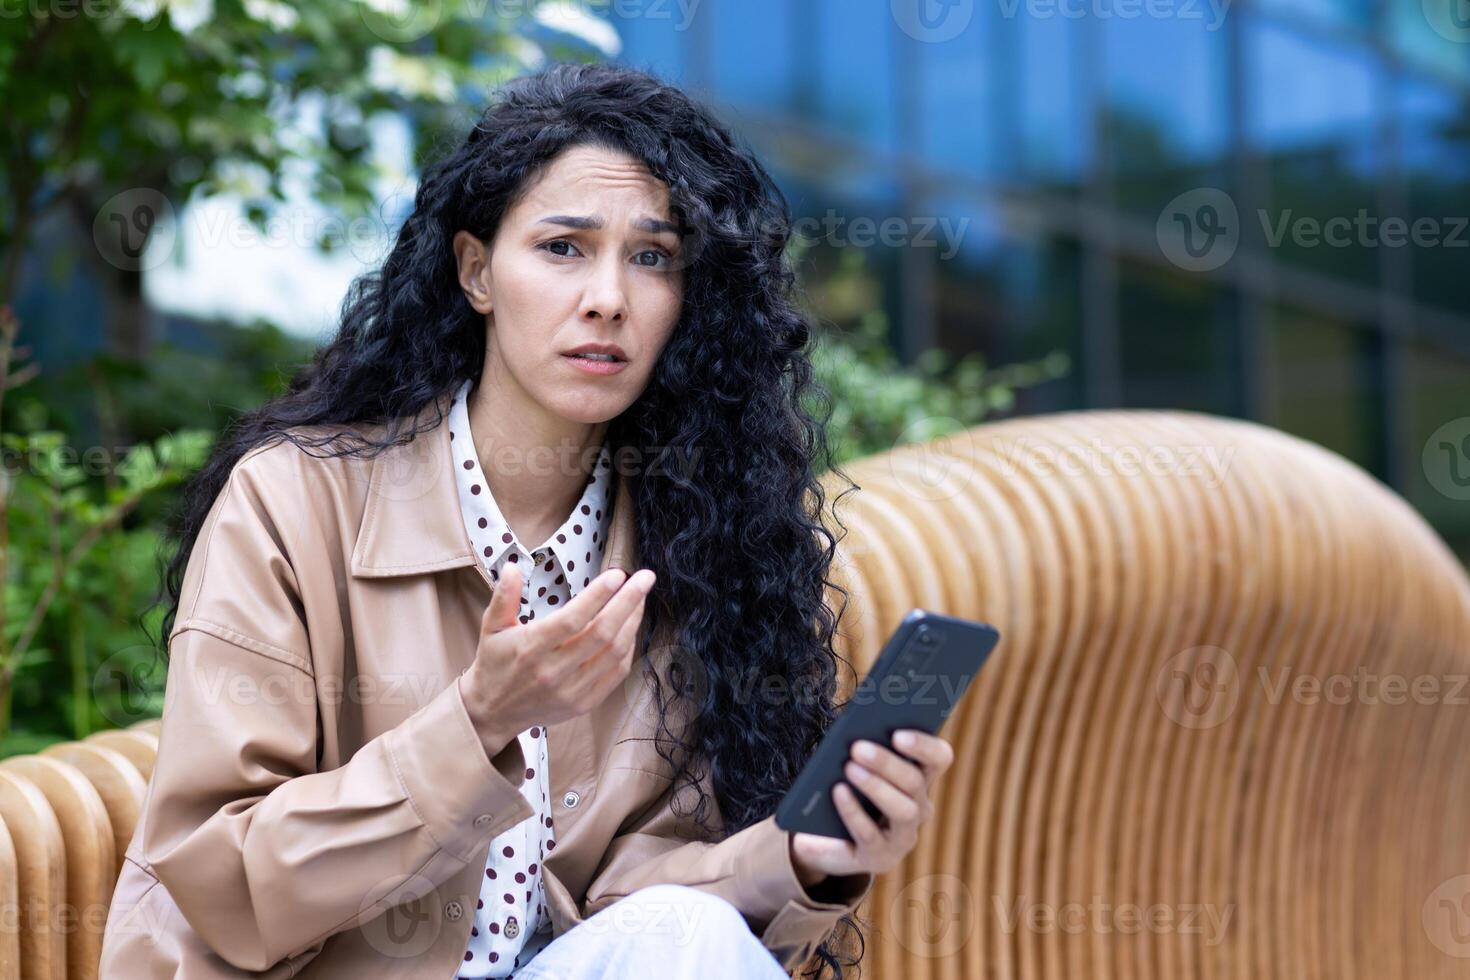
x,y
926,665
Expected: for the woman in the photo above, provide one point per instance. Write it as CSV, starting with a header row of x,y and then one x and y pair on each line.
x,y
402,731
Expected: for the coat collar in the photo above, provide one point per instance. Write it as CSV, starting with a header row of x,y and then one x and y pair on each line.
x,y
412,522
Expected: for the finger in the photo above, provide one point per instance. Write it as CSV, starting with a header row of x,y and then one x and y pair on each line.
x,y
621,654
892,767
933,754
603,631
865,833
896,804
553,631
505,601
626,643
830,851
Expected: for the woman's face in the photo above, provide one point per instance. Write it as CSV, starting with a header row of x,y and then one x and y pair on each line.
x,y
588,255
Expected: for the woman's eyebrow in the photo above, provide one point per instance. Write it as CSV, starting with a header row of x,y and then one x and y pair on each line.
x,y
594,222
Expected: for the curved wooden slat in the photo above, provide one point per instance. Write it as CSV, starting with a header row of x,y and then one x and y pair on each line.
x,y
138,746
117,782
40,876
91,860
10,896
154,725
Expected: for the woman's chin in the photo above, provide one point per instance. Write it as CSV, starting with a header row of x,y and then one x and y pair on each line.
x,y
585,408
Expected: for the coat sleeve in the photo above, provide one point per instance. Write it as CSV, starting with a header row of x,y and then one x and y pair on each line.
x,y
751,869
264,855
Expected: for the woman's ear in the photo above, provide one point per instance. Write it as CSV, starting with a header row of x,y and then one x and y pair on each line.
x,y
474,270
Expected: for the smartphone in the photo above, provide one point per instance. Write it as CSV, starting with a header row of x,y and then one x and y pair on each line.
x,y
927,664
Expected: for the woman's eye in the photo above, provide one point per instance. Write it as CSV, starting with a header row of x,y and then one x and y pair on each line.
x,y
548,246
658,254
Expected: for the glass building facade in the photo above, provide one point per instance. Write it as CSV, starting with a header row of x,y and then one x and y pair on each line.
x,y
1253,208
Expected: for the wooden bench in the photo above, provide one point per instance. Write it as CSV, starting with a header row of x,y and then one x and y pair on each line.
x,y
66,817
1184,601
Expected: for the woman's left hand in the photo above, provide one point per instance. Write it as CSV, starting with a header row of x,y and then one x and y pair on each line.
x,y
897,787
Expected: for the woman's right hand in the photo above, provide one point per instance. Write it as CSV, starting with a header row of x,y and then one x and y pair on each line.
x,y
552,669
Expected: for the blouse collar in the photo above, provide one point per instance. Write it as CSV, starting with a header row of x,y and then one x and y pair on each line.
x,y
579,540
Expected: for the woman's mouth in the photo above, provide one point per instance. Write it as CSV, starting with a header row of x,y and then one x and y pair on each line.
x,y
596,363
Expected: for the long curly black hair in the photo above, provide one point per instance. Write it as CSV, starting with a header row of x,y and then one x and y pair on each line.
x,y
740,552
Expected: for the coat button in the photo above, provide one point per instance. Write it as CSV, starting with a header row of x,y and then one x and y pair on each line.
x,y
483,820
454,910
571,799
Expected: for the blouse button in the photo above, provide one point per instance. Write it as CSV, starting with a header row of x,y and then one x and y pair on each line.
x,y
483,820
571,799
539,556
454,910
512,928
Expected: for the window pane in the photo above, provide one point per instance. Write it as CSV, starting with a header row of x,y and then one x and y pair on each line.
x,y
1009,291
855,92
654,37
1052,133
1436,163
754,51
1166,108
958,106
1178,343
1328,379
1002,101
1348,13
848,275
1432,33
1438,389
1313,117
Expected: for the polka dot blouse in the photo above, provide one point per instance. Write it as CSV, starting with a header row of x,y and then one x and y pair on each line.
x,y
511,924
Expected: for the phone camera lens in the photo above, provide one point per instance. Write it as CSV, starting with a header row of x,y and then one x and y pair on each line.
x,y
926,637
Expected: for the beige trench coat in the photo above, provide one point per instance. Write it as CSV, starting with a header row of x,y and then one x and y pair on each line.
x,y
321,805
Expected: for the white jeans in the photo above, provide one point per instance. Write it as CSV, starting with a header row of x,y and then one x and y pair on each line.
x,y
669,931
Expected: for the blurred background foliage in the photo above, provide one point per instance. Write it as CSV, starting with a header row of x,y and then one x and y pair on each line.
x,y
879,402
86,525
201,97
